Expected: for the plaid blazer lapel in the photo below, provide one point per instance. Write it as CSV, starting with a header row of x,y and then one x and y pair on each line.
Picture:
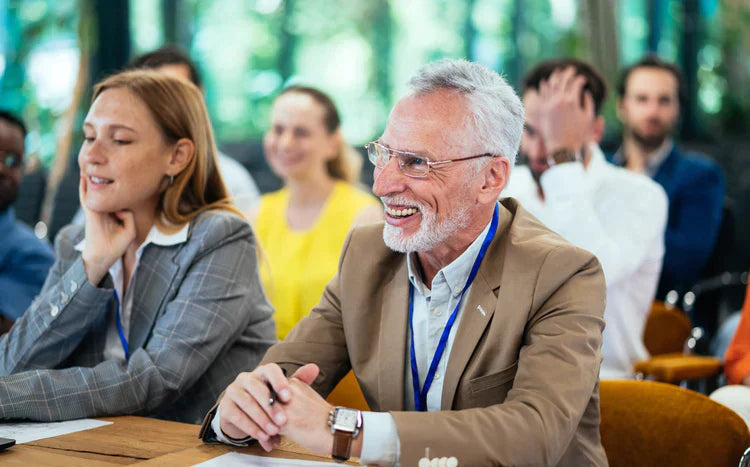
x,y
153,284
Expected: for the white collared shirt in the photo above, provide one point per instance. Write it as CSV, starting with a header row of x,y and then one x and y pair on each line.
x,y
620,217
113,349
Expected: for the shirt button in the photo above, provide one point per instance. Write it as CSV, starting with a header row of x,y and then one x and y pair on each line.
x,y
64,297
437,375
54,311
73,286
438,311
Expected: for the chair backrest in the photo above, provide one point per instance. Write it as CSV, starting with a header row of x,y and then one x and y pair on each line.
x,y
666,330
348,394
646,423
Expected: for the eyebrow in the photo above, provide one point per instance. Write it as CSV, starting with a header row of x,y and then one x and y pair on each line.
x,y
114,126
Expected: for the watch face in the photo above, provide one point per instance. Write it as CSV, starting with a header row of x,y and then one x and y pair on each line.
x,y
346,419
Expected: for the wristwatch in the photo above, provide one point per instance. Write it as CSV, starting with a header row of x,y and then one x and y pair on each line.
x,y
345,425
560,156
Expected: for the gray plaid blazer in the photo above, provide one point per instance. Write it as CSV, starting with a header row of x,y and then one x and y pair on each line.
x,y
199,318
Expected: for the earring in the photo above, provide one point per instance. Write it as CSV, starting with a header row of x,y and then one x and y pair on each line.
x,y
171,180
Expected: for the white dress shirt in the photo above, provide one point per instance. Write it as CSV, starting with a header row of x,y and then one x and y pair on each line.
x,y
620,217
113,349
432,308
240,184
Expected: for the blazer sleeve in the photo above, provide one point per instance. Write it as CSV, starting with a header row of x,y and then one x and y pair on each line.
x,y
557,376
215,299
23,273
695,217
58,319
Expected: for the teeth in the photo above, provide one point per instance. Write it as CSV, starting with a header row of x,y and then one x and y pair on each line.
x,y
400,212
99,181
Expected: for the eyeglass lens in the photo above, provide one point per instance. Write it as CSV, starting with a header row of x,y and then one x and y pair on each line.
x,y
410,164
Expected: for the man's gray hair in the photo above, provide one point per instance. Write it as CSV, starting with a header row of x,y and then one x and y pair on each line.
x,y
496,111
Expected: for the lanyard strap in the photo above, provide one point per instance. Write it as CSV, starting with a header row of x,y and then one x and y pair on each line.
x,y
420,396
123,340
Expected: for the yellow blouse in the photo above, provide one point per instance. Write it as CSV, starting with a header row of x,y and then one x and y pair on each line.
x,y
297,265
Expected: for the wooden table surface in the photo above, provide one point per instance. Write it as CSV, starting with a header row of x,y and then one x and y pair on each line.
x,y
133,440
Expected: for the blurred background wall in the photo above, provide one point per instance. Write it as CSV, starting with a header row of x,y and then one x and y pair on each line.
x,y
361,53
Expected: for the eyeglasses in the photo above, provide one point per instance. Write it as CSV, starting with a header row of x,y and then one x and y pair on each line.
x,y
11,160
411,164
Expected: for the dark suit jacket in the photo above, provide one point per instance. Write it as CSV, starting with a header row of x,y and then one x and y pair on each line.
x,y
695,187
199,317
521,386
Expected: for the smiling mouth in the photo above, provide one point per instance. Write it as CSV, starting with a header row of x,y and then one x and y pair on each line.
x,y
99,180
401,213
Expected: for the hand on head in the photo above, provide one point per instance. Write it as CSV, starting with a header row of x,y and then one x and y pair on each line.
x,y
300,413
108,235
564,122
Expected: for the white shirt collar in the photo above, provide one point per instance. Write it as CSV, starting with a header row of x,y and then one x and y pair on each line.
x,y
456,273
597,160
154,236
656,158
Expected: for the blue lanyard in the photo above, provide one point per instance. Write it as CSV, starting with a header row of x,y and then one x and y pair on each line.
x,y
119,327
420,397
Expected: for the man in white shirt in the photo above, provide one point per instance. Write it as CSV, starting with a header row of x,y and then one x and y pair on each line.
x,y
615,214
473,330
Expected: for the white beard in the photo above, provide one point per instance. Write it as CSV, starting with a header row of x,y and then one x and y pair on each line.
x,y
431,232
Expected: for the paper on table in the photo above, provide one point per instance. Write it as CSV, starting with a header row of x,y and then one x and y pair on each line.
x,y
235,459
27,432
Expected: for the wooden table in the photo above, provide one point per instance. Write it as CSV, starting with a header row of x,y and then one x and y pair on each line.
x,y
133,440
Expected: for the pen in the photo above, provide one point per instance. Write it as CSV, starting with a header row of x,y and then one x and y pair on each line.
x,y
274,397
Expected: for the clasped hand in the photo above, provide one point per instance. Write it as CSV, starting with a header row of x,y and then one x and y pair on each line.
x,y
300,415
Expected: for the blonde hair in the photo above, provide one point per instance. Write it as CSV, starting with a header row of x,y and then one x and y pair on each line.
x,y
177,107
347,164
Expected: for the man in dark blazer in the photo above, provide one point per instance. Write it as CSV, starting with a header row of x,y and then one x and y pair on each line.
x,y
650,93
473,329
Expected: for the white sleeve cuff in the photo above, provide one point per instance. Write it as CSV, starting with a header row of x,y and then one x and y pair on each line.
x,y
220,436
380,442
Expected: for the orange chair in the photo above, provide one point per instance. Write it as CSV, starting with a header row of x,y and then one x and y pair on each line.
x,y
665,335
646,423
348,394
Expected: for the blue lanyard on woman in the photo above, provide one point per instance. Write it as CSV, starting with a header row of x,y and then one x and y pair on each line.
x,y
119,327
420,397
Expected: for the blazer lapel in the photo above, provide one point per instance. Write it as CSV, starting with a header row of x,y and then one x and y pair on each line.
x,y
477,312
394,320
665,174
153,281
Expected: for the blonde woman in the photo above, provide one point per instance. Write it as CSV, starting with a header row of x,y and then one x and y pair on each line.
x,y
155,305
302,227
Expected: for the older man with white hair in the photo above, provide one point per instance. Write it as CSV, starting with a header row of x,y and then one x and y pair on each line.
x,y
473,329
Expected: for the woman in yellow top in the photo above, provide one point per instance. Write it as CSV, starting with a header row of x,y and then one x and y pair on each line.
x,y
302,227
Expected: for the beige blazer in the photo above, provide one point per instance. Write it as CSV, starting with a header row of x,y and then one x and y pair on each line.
x,y
521,386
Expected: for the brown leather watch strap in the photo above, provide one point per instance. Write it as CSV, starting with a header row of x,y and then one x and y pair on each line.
x,y
561,156
342,445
